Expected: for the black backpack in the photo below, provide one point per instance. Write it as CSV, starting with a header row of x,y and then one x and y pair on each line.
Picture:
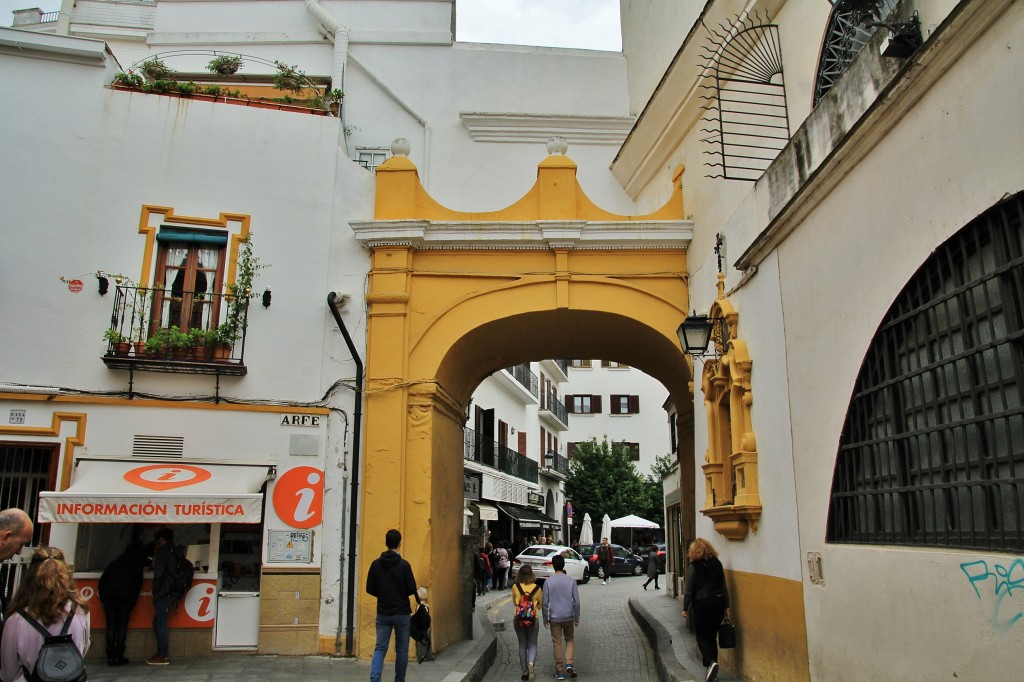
x,y
184,574
59,660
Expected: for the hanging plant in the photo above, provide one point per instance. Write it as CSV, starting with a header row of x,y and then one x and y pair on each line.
x,y
155,69
225,64
129,79
289,78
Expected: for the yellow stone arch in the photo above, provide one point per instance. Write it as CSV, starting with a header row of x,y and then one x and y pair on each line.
x,y
453,297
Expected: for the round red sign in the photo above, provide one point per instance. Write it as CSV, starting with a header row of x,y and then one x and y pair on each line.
x,y
75,285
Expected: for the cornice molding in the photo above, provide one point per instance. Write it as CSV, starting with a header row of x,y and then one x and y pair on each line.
x,y
498,127
651,235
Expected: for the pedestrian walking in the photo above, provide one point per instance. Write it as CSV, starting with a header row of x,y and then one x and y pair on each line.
x,y
165,566
15,532
562,614
48,596
503,566
119,588
391,581
484,571
527,601
606,558
652,567
707,597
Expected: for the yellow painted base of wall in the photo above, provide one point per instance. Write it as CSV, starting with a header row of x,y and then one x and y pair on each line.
x,y
771,629
140,644
289,640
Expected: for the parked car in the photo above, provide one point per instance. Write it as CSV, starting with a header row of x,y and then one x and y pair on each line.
x,y
644,549
539,557
626,563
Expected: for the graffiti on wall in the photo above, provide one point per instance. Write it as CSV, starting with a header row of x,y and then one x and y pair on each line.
x,y
996,584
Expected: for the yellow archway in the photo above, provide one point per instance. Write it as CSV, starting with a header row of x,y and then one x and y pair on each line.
x,y
454,297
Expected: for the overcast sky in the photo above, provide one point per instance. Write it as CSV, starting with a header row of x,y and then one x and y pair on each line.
x,y
589,24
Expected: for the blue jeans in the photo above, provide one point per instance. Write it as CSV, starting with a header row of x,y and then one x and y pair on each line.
x,y
162,609
400,624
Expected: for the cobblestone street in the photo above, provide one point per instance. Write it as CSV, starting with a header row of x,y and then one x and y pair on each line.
x,y
609,645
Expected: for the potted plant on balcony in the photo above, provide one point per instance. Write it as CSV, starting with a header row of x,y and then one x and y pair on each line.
x,y
156,344
118,342
179,343
240,292
225,64
201,343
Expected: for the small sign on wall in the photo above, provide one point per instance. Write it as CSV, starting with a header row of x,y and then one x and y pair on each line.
x,y
290,546
17,417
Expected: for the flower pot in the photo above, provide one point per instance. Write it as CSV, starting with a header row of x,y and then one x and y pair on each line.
x,y
227,69
222,351
121,348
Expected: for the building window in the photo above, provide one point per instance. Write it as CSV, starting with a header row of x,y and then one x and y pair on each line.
x,y
371,157
633,449
932,450
613,365
579,364
625,404
584,404
189,274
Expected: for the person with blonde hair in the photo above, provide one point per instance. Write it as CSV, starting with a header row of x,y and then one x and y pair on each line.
x,y
47,594
707,597
526,631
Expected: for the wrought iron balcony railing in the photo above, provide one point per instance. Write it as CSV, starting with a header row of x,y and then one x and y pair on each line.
x,y
477,448
528,379
552,404
556,462
162,330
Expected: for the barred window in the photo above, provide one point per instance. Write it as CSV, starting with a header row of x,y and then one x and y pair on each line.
x,y
932,453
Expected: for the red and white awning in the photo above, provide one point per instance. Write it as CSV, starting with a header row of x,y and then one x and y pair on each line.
x,y
117,491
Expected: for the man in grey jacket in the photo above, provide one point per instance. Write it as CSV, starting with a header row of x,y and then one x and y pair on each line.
x,y
562,614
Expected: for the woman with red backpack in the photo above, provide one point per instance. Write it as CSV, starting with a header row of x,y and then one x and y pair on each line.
x,y
527,601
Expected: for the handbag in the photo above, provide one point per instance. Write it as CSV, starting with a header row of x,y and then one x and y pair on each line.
x,y
726,635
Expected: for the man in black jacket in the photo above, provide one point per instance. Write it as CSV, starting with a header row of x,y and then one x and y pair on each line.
x,y
119,589
164,568
390,580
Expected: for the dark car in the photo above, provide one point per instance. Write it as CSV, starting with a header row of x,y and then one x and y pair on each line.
x,y
644,549
626,563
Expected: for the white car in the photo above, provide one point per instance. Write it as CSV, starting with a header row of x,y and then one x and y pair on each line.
x,y
539,557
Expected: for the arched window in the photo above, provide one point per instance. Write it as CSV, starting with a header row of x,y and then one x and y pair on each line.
x,y
932,452
846,34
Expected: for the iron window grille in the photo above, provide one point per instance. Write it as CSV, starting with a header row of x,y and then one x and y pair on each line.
x,y
932,452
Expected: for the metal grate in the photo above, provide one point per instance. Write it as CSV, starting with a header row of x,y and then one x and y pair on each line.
x,y
747,118
160,447
932,452
847,33
25,471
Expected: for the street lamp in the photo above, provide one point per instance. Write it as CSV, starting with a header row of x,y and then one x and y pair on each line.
x,y
695,333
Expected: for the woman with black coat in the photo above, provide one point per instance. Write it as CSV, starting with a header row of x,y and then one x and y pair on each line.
x,y
707,598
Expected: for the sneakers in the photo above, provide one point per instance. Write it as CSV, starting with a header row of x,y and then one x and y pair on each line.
x,y
530,672
524,676
570,671
158,660
559,676
712,672
604,582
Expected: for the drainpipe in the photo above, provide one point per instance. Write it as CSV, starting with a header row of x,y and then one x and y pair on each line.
x,y
337,33
357,416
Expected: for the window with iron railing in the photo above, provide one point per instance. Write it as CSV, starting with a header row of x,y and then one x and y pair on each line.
x,y
931,453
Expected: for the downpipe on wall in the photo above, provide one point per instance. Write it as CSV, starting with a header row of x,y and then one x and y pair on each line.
x,y
333,299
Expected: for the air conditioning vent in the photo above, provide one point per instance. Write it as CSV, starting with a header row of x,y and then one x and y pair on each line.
x,y
158,447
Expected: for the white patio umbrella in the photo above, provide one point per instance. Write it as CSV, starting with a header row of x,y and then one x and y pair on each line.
x,y
606,527
586,531
633,521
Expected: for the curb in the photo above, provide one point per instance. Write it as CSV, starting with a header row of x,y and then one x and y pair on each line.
x,y
473,666
669,668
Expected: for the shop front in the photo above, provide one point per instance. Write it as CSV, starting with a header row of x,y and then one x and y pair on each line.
x,y
526,525
215,510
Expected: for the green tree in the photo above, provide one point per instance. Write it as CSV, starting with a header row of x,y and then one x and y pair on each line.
x,y
603,480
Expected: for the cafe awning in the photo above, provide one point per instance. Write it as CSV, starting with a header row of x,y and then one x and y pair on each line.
x,y
528,518
119,491
487,512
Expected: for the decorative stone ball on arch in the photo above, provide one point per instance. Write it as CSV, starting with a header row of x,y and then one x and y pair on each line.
x,y
557,145
400,147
